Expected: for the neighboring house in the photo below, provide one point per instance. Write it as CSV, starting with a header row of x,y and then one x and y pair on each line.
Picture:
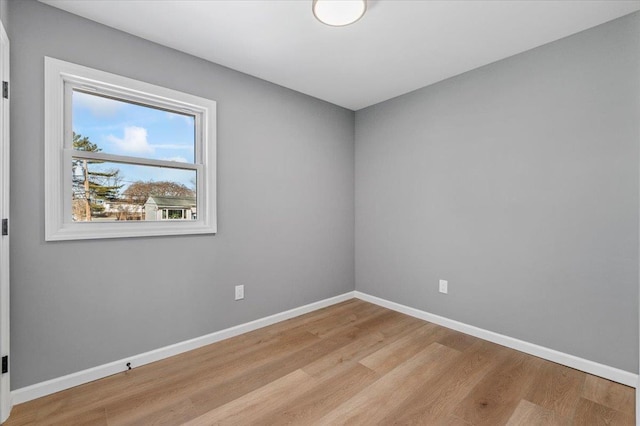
x,y
123,211
170,208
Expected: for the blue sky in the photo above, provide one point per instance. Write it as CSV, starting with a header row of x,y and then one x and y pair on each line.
x,y
127,129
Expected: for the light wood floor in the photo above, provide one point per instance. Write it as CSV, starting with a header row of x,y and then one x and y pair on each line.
x,y
353,363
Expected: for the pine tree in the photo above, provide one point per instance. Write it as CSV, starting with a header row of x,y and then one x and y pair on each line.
x,y
89,186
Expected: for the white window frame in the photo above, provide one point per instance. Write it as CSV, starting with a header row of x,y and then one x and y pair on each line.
x,y
60,79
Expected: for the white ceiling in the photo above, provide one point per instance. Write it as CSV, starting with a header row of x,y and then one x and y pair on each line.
x,y
397,47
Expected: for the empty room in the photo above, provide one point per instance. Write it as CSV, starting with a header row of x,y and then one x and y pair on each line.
x,y
319,212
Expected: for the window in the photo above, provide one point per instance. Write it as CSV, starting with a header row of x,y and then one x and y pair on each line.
x,y
174,214
124,158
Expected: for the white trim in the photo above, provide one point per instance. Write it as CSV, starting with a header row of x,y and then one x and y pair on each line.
x,y
638,301
70,153
60,76
38,390
591,367
5,393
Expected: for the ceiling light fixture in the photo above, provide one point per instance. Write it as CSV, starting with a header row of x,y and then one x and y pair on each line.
x,y
339,13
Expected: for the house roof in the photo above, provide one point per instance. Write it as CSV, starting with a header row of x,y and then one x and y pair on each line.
x,y
172,201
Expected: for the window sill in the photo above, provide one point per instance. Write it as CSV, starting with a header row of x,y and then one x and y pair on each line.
x,y
90,231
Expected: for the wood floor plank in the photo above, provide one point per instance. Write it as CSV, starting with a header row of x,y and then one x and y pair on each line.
x,y
609,394
354,363
28,413
395,353
379,334
78,402
389,323
173,413
258,402
457,340
381,397
557,388
351,307
226,391
452,420
149,396
393,326
530,414
144,385
223,365
591,413
326,325
345,357
219,367
437,398
93,417
493,400
22,415
308,407
252,341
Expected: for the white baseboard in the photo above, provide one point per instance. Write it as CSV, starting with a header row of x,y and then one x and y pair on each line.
x,y
38,390
591,367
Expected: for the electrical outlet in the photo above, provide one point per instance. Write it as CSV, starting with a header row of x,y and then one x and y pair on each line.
x,y
444,286
239,292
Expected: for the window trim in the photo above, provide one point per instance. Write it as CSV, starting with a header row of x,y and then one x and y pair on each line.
x,y
60,78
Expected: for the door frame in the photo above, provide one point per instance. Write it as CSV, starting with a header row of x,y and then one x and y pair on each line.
x,y
5,388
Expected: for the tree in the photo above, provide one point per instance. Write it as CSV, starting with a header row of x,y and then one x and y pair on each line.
x,y
91,187
138,192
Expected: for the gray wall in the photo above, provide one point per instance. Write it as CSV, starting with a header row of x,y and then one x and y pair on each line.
x,y
285,197
517,182
4,7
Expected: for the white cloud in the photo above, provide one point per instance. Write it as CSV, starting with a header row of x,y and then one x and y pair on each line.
x,y
177,158
99,106
134,141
